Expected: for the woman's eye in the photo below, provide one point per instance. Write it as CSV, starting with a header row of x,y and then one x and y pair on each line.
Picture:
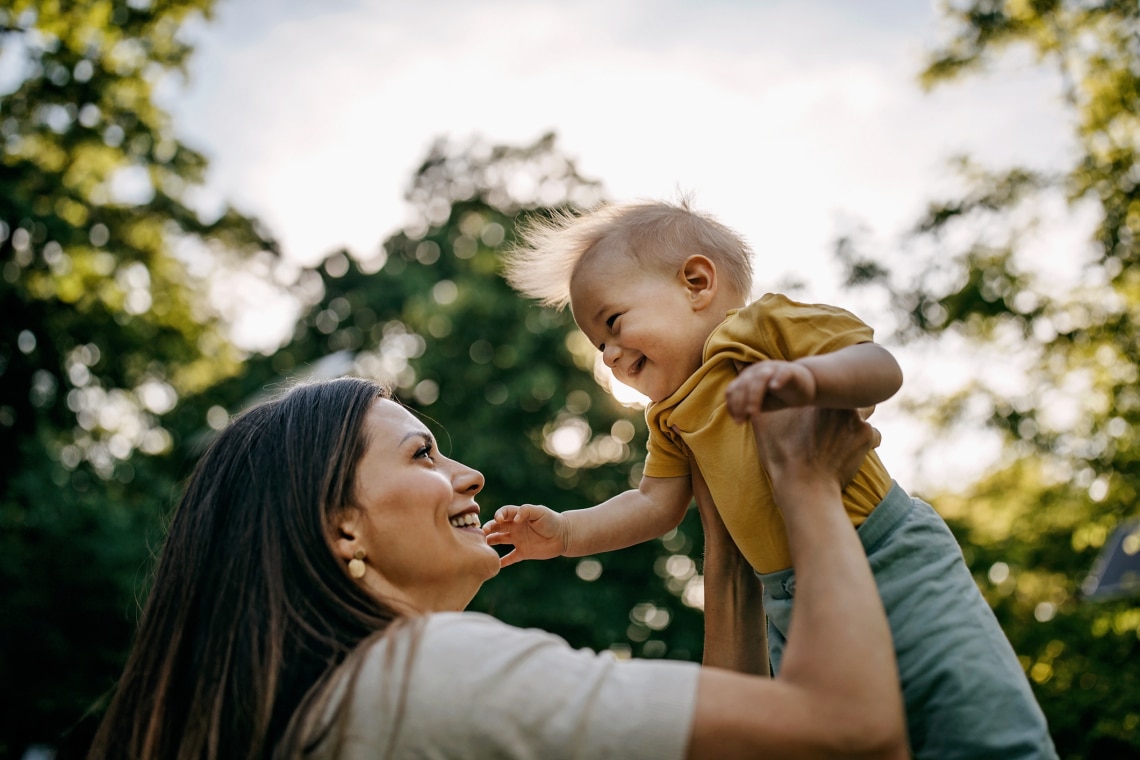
x,y
424,452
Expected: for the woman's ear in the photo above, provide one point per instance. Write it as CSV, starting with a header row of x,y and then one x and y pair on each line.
x,y
347,534
698,275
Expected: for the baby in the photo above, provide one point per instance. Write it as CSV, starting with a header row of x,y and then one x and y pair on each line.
x,y
662,291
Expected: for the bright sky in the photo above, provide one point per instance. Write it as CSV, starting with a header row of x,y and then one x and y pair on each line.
x,y
787,119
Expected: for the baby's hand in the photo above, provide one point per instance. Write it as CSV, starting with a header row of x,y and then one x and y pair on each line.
x,y
535,531
767,386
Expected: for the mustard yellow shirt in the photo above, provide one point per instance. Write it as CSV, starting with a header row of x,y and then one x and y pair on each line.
x,y
694,424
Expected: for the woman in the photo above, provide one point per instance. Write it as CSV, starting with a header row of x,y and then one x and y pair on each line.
x,y
308,603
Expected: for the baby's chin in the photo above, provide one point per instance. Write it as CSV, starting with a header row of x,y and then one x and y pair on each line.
x,y
651,390
658,396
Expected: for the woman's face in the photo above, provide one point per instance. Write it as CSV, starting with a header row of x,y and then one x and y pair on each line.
x,y
418,522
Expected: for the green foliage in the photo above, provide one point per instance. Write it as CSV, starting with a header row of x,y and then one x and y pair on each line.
x,y
105,331
112,357
115,358
1032,528
496,376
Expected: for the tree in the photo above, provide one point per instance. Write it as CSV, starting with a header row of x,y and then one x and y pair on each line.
x,y
1033,525
508,387
108,339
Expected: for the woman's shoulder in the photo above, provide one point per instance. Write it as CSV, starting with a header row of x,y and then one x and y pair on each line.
x,y
439,646
538,690
478,624
458,652
478,630
450,635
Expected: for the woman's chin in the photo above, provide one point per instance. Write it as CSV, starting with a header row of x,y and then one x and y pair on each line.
x,y
493,566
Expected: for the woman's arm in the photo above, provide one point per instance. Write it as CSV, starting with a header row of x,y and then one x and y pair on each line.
x,y
837,694
736,635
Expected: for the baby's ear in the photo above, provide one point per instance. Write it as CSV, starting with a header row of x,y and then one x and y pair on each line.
x,y
698,274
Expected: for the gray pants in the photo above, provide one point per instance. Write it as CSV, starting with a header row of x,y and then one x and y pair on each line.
x,y
966,694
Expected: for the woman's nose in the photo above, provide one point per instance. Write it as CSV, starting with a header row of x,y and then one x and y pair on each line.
x,y
468,480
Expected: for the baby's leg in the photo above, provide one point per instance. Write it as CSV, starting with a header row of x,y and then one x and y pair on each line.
x,y
779,592
966,694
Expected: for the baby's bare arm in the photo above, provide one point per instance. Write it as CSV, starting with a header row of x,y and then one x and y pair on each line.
x,y
655,507
631,517
855,377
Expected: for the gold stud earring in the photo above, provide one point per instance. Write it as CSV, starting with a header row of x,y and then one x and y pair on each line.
x,y
356,565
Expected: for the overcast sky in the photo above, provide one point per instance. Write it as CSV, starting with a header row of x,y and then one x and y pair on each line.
x,y
781,117
786,119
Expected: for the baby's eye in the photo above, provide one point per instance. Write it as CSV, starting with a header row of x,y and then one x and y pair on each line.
x,y
611,320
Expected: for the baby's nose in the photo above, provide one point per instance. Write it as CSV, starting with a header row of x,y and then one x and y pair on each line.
x,y
611,355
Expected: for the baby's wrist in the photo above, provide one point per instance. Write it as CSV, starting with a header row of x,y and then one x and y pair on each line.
x,y
566,534
813,382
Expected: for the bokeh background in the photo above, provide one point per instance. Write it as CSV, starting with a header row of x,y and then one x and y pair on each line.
x,y
201,202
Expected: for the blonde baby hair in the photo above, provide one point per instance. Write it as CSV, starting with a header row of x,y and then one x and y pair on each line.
x,y
656,234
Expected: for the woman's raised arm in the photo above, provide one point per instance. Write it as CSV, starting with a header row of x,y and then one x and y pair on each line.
x,y
837,694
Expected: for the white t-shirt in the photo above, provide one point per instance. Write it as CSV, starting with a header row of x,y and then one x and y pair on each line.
x,y
478,688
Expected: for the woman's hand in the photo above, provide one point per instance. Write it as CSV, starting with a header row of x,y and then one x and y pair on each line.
x,y
809,443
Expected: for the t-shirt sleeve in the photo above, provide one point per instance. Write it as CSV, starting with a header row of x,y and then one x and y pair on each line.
x,y
787,329
478,688
663,457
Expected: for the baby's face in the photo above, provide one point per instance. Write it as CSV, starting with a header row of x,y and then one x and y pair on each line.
x,y
643,323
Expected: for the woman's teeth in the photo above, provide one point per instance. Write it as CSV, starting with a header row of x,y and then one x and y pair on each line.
x,y
465,520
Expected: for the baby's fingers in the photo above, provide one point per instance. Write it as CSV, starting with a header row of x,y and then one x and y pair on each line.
x,y
528,513
496,536
745,396
778,378
737,406
510,558
506,514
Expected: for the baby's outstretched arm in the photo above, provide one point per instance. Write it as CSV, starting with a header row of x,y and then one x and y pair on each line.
x,y
855,377
653,508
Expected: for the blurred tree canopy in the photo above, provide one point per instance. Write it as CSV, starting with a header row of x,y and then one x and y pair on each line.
x,y
508,388
107,337
1033,526
116,366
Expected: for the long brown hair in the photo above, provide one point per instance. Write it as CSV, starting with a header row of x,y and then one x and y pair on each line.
x,y
249,609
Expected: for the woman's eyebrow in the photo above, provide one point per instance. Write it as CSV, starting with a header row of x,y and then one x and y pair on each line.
x,y
425,437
